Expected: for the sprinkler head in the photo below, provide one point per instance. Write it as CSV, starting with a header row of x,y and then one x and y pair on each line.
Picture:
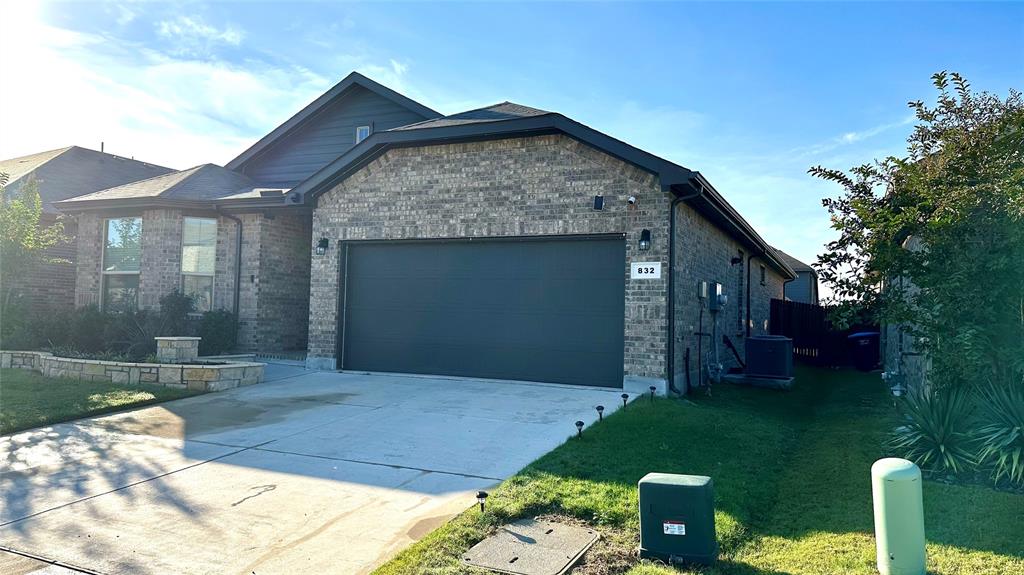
x,y
600,412
579,429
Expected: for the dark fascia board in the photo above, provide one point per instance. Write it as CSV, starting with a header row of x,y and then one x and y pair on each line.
x,y
325,99
711,201
671,175
233,205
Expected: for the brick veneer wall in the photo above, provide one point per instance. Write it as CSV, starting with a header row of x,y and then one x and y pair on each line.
x,y
283,306
273,300
542,185
51,286
704,253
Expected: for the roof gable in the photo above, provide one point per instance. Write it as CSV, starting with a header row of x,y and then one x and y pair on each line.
x,y
508,120
326,128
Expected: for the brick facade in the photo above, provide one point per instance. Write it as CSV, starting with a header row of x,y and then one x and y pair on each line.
x,y
542,185
51,286
273,303
705,253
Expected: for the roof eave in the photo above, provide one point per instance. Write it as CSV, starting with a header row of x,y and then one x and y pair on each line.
x,y
710,198
673,178
70,206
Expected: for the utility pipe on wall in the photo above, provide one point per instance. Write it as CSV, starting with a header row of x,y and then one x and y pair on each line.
x,y
670,361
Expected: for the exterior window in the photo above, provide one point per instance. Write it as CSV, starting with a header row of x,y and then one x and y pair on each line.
x,y
362,132
198,257
122,257
763,280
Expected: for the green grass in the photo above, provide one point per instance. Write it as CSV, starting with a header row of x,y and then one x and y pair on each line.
x,y
29,400
792,487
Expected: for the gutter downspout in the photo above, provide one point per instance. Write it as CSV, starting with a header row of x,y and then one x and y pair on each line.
x,y
750,258
670,361
238,258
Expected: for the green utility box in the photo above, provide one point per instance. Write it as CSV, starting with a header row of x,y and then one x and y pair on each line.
x,y
677,518
899,517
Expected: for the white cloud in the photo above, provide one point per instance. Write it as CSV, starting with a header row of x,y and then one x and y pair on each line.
x,y
192,35
75,88
399,68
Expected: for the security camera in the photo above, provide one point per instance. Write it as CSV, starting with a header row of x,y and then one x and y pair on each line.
x,y
631,200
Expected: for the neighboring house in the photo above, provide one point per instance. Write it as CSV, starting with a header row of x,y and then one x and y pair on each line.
x,y
804,288
904,361
506,242
62,174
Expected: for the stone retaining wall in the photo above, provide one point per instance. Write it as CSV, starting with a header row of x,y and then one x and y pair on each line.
x,y
192,376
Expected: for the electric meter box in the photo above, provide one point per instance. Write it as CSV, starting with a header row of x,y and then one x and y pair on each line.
x,y
677,518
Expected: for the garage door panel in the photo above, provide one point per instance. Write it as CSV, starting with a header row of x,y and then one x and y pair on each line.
x,y
559,330
541,310
478,293
497,362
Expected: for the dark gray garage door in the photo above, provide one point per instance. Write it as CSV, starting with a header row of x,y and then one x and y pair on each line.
x,y
536,310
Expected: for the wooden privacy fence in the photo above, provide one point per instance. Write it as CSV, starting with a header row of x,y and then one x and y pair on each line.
x,y
815,340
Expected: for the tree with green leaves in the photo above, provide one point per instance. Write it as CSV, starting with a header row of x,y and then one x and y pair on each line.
x,y
24,242
934,240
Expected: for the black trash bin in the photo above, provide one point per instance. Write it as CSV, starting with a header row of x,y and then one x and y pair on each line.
x,y
864,349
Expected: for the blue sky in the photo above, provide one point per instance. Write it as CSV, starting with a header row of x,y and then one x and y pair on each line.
x,y
749,94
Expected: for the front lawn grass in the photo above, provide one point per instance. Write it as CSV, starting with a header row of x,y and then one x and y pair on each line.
x,y
792,486
29,400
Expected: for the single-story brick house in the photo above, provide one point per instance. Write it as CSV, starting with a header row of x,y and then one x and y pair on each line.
x,y
60,174
506,242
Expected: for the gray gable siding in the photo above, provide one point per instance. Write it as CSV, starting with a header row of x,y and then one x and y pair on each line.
x,y
326,136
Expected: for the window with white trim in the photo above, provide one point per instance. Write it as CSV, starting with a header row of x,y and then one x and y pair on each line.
x,y
198,260
362,132
122,259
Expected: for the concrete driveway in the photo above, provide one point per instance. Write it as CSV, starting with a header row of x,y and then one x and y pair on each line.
x,y
312,473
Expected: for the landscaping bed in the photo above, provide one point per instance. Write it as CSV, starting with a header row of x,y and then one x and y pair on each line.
x,y
196,375
30,400
792,486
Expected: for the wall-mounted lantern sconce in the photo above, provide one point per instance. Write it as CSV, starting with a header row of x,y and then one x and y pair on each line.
x,y
598,202
321,246
645,240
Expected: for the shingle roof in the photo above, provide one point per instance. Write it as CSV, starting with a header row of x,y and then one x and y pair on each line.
x,y
203,182
15,168
797,265
496,113
75,171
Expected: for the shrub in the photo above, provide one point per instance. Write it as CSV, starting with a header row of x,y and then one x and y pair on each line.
x,y
15,325
219,332
68,351
87,326
132,333
174,310
937,437
1001,434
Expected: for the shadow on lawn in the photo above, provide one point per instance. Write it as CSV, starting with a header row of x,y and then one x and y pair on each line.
x,y
784,464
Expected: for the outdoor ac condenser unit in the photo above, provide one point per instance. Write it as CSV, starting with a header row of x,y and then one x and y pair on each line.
x,y
769,356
